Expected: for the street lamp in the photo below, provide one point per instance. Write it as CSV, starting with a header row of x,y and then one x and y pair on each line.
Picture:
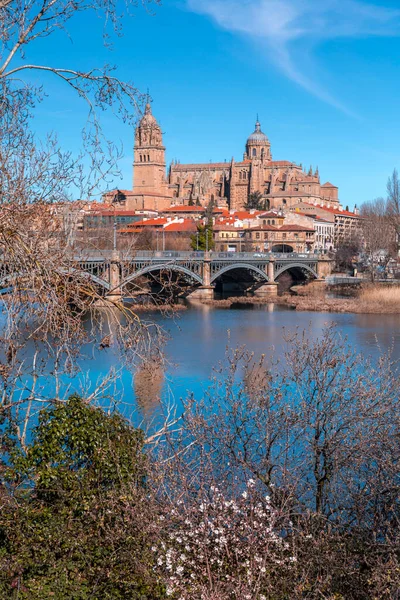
x,y
207,239
115,233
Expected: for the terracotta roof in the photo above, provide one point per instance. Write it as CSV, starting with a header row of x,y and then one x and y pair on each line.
x,y
187,225
272,215
244,214
282,163
160,221
295,228
335,211
227,227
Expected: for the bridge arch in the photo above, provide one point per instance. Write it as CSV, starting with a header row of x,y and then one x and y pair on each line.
x,y
236,266
296,265
9,278
160,267
282,248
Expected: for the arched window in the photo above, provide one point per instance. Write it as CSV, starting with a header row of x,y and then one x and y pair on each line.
x,y
141,158
269,221
240,175
148,158
254,152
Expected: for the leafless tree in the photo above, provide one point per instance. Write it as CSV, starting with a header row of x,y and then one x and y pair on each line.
x,y
316,433
378,233
393,200
44,313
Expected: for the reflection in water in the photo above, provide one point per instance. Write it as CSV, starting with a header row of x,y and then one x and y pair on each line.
x,y
256,378
148,385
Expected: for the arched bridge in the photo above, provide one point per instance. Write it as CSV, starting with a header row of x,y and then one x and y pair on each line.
x,y
114,271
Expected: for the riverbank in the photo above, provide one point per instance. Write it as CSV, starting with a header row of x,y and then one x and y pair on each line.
x,y
370,299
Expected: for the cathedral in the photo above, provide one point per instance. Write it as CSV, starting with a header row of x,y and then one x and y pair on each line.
x,y
282,184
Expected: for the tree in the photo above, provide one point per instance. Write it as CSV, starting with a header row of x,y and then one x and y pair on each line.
x,y
76,524
48,294
203,240
378,234
317,435
393,204
255,202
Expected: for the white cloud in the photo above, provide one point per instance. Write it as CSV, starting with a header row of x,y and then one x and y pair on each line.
x,y
286,29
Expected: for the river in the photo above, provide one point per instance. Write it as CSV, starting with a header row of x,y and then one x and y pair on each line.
x,y
197,340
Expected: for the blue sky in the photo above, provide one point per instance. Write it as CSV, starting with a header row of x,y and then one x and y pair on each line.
x,y
321,74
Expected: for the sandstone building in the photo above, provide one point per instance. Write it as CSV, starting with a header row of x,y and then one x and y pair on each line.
x,y
281,183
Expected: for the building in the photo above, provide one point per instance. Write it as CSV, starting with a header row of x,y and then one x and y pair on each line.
x,y
347,224
281,183
288,238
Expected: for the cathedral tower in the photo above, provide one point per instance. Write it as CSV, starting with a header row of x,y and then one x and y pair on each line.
x,y
149,167
258,145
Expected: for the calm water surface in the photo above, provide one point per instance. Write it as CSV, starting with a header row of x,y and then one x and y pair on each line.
x,y
198,339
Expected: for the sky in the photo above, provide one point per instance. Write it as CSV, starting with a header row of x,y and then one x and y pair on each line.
x,y
321,74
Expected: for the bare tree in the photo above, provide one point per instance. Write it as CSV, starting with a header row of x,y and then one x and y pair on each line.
x,y
45,311
393,204
378,234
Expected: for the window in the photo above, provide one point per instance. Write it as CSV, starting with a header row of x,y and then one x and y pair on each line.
x,y
148,158
257,236
264,222
240,175
265,236
273,221
269,221
141,158
283,201
284,236
254,152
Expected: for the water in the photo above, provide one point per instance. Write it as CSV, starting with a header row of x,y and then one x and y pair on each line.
x,y
199,337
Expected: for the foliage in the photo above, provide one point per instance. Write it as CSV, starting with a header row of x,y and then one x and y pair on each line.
x,y
74,521
255,201
203,240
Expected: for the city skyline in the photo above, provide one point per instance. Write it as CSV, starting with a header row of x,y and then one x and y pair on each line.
x,y
208,80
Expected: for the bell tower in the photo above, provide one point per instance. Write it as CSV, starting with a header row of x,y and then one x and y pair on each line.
x,y
149,167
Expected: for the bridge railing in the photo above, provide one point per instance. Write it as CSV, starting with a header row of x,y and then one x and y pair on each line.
x,y
152,255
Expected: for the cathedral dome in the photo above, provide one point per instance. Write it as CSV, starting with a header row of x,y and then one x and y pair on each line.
x,y
258,137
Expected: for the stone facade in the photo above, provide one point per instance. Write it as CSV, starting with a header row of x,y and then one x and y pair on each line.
x,y
281,183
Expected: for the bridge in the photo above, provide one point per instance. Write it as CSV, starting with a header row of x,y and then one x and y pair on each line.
x,y
115,271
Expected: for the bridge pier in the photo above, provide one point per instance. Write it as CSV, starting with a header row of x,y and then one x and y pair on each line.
x,y
206,291
114,277
267,290
324,267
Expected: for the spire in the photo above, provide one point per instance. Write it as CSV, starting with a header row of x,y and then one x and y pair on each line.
x,y
258,125
310,171
316,174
